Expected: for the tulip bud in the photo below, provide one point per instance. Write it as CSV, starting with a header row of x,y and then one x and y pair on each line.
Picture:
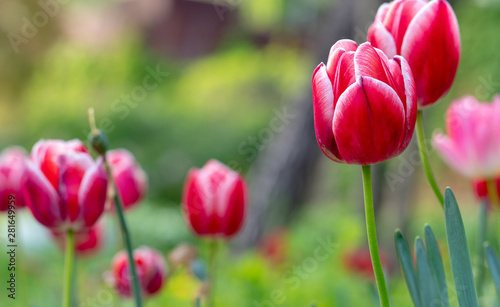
x,y
151,271
214,200
87,242
65,189
12,177
480,188
472,146
426,34
364,104
130,179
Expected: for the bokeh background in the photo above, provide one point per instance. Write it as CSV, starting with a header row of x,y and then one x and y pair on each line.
x,y
178,82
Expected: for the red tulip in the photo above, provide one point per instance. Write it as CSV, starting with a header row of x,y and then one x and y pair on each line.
x,y
214,200
87,242
151,272
130,179
359,261
364,104
426,34
65,189
472,146
481,188
12,170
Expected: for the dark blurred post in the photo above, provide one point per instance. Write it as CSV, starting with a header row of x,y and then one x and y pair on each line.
x,y
282,174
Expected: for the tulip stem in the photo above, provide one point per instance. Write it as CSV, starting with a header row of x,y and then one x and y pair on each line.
x,y
212,263
126,237
99,142
68,268
372,237
424,156
492,193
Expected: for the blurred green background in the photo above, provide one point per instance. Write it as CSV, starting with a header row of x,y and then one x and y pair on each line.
x,y
216,72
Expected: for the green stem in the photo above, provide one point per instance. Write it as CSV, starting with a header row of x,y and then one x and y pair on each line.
x,y
492,193
424,156
68,268
212,263
126,238
372,237
480,246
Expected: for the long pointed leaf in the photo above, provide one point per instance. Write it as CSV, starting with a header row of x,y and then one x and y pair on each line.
x,y
429,293
494,266
406,261
436,264
459,252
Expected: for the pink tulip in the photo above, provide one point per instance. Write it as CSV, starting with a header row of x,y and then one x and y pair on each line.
x,y
472,146
12,170
87,242
130,179
364,104
151,272
426,34
65,189
214,200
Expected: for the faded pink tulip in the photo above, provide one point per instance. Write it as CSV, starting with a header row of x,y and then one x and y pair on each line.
x,y
364,104
472,143
87,242
12,178
214,200
130,179
65,188
426,34
151,272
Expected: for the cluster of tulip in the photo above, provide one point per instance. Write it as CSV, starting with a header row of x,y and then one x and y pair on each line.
x,y
68,191
368,99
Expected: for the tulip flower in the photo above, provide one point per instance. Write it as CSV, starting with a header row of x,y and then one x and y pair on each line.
x,y
151,271
130,179
87,242
358,261
472,146
12,178
65,189
214,200
481,189
426,34
364,104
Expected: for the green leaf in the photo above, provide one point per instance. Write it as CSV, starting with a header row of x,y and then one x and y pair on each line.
x,y
429,293
494,266
459,252
406,261
436,264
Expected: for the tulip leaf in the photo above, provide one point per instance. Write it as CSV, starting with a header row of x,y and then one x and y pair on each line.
x,y
429,293
436,264
494,266
459,252
406,261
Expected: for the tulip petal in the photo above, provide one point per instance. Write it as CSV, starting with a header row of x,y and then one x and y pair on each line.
x,y
369,62
344,77
399,16
451,154
432,48
42,198
380,38
337,50
231,204
323,113
194,204
410,96
92,194
369,122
